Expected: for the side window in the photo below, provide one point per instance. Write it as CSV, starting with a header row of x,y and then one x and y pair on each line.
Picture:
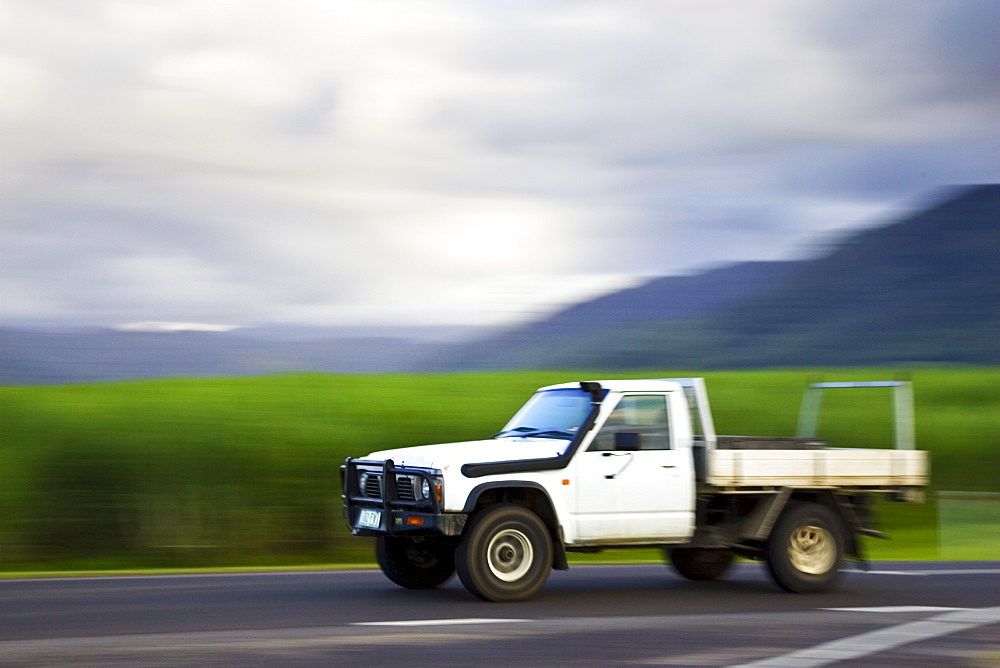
x,y
643,422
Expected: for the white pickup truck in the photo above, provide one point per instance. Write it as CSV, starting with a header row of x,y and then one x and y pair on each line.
x,y
626,463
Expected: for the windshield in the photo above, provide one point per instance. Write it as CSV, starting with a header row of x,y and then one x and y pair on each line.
x,y
550,414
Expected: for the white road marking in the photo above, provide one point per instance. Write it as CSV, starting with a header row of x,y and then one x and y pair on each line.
x,y
950,571
963,571
883,640
892,573
897,608
443,622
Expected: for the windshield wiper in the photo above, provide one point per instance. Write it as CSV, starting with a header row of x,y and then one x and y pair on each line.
x,y
549,433
527,432
519,431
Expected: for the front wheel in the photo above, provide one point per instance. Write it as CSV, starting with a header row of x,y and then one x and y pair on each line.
x,y
415,563
806,548
700,564
505,555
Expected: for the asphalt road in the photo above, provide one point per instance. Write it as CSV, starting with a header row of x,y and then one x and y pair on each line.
x,y
933,613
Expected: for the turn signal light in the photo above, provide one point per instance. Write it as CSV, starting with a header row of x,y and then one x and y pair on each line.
x,y
415,521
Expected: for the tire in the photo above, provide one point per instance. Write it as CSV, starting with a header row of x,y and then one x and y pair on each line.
x,y
700,564
414,563
506,554
806,548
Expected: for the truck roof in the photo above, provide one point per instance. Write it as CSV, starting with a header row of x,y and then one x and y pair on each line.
x,y
629,385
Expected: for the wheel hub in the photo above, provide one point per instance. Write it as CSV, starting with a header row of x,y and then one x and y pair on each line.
x,y
812,550
510,555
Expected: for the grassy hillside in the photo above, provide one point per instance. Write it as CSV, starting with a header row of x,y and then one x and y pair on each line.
x,y
245,471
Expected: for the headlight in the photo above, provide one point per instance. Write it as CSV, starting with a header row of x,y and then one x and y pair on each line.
x,y
363,482
425,488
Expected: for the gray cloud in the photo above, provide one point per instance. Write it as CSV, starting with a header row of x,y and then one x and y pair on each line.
x,y
364,162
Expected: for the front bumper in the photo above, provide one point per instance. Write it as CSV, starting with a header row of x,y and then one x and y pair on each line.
x,y
406,523
390,514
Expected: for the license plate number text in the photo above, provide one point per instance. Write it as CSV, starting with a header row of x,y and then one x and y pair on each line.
x,y
369,519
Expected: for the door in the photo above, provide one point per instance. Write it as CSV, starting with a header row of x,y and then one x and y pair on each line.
x,y
633,484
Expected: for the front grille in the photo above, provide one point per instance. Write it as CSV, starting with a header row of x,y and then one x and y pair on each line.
x,y
372,487
404,488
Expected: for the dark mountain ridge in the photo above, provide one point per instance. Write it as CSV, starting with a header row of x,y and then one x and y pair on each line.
x,y
31,357
666,298
925,289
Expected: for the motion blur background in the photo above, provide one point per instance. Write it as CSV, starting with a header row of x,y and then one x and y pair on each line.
x,y
224,189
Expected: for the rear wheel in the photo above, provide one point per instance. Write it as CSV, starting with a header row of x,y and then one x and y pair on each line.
x,y
806,548
506,554
700,564
415,563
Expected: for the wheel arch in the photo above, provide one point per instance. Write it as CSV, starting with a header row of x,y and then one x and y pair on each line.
x,y
755,528
804,552
527,494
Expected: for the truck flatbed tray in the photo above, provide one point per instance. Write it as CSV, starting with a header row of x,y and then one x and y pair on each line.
x,y
828,467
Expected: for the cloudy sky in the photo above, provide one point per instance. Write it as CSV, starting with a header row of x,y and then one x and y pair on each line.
x,y
336,162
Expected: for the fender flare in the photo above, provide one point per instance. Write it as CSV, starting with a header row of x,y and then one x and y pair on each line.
x,y
550,517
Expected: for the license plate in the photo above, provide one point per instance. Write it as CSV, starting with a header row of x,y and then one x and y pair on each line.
x,y
369,519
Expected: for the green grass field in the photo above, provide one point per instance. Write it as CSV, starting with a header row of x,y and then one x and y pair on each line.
x,y
244,471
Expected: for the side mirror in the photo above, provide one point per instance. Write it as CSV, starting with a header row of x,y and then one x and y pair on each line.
x,y
628,440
